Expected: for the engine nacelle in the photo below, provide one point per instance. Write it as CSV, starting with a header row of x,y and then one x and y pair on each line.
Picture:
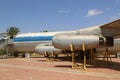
x,y
90,41
42,48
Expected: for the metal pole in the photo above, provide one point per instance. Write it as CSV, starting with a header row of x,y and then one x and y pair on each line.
x,y
7,47
47,59
83,48
73,56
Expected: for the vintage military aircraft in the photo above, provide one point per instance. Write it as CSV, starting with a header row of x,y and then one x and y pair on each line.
x,y
93,38
96,37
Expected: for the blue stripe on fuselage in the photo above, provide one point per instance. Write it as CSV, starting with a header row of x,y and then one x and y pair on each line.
x,y
33,38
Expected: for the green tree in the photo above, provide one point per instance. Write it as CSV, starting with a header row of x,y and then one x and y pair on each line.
x,y
2,52
13,31
45,31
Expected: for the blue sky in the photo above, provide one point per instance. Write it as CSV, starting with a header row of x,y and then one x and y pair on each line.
x,y
56,15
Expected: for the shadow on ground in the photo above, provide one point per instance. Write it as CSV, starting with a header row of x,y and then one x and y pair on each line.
x,y
99,63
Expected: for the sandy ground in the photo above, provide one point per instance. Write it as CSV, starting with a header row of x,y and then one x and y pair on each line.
x,y
39,69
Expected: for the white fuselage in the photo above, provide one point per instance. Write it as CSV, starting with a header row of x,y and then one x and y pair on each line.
x,y
27,42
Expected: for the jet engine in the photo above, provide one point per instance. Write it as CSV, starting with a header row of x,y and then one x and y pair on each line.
x,y
90,41
47,48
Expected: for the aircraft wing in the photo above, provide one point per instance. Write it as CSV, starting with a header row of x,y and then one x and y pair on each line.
x,y
111,29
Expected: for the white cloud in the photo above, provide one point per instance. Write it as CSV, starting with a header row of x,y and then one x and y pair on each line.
x,y
93,12
108,9
117,16
113,17
117,1
64,11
